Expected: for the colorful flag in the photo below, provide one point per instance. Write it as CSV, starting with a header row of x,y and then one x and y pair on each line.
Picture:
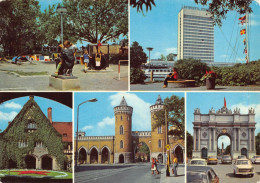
x,y
225,103
244,41
242,18
245,51
243,31
243,21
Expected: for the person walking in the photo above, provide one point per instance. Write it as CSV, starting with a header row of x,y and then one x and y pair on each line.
x,y
86,57
175,165
153,166
156,167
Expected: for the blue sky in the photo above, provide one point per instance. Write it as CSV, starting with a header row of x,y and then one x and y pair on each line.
x,y
207,100
9,109
97,118
158,29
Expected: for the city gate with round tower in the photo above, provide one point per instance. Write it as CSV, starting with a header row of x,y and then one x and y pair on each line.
x,y
122,147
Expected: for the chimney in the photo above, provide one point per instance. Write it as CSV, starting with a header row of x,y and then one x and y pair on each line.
x,y
50,114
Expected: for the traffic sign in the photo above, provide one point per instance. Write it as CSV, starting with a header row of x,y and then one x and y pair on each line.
x,y
167,146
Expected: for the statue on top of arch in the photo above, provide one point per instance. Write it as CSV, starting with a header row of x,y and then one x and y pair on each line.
x,y
236,111
224,110
197,111
251,110
212,111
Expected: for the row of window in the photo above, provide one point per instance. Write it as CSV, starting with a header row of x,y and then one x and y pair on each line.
x,y
24,143
198,54
200,30
186,36
199,58
192,33
196,46
121,130
199,40
121,118
198,17
197,24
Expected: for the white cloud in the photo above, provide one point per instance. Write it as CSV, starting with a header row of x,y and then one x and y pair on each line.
x,y
171,50
85,128
7,116
107,122
258,2
11,105
254,23
141,120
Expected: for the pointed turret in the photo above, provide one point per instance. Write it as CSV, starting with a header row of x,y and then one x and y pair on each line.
x,y
159,100
123,102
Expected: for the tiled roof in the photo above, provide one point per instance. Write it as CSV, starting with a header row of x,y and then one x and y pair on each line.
x,y
65,129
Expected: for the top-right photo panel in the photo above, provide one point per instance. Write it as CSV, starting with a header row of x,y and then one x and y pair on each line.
x,y
194,45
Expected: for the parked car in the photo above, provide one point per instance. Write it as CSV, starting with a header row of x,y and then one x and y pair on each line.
x,y
226,159
198,162
19,59
255,159
243,167
212,160
201,174
241,157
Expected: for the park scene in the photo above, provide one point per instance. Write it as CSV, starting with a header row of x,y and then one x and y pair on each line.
x,y
36,137
129,137
223,137
63,45
194,45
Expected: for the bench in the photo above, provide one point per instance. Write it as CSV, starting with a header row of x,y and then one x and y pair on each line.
x,y
182,83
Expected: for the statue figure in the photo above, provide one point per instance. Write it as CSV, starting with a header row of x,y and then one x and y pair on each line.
x,y
197,111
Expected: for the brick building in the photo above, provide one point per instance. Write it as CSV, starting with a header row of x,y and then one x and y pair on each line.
x,y
122,147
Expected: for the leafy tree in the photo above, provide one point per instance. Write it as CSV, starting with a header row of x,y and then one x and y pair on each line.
x,y
137,75
19,26
171,57
189,140
162,57
219,9
144,149
257,143
174,107
90,21
191,69
139,4
138,55
228,149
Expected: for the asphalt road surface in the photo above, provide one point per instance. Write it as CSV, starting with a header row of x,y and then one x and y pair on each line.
x,y
225,173
116,174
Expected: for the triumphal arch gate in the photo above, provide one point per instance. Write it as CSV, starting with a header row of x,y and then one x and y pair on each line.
x,y
240,128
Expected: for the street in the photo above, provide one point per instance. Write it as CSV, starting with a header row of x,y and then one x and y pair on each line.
x,y
225,173
92,80
134,173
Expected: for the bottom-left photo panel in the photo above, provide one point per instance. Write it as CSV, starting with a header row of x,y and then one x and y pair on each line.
x,y
36,137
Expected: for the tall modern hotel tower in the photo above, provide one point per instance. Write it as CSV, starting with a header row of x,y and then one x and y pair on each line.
x,y
195,34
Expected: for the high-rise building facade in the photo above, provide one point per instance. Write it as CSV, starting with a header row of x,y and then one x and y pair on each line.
x,y
195,34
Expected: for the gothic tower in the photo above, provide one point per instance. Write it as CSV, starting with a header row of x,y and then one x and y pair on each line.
x,y
123,133
157,134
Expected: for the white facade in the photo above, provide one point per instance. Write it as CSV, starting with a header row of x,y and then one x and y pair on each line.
x,y
195,34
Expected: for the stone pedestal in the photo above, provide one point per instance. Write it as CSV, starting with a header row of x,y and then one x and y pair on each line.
x,y
64,82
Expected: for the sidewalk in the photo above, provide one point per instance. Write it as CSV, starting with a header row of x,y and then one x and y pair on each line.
x,y
179,179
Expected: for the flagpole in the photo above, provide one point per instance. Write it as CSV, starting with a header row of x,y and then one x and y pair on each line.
x,y
247,48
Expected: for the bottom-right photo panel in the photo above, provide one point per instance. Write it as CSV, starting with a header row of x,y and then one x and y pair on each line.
x,y
223,137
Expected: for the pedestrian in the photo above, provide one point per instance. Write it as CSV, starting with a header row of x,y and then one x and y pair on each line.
x,y
171,77
175,165
86,58
153,165
67,57
156,167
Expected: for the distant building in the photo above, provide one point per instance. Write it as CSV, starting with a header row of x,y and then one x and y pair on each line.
x,y
195,34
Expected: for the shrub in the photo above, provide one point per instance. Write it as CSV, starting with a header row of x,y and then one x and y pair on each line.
x,y
137,76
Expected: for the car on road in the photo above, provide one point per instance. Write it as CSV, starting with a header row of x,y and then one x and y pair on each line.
x,y
243,167
198,162
212,160
19,59
201,174
226,159
255,159
241,157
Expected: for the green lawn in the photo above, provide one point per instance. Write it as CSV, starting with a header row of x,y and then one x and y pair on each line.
x,y
21,73
36,173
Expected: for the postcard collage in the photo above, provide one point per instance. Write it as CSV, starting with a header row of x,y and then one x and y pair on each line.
x,y
129,91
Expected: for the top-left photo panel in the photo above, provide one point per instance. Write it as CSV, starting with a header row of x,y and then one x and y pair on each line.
x,y
58,45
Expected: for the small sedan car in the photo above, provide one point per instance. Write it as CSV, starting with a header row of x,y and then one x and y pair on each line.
x,y
201,174
198,162
243,167
255,159
226,159
241,157
212,160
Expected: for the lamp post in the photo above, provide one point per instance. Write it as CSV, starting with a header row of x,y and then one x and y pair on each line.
x,y
167,144
149,49
77,134
61,10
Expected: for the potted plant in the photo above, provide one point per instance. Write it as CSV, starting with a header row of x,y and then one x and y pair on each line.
x,y
210,78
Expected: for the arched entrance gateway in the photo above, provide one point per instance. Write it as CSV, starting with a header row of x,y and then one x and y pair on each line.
x,y
46,162
93,156
30,162
240,128
82,156
105,155
178,151
121,158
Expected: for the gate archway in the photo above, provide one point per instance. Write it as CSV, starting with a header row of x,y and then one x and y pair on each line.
x,y
93,156
142,152
47,162
82,156
121,158
178,151
105,155
244,152
204,153
30,162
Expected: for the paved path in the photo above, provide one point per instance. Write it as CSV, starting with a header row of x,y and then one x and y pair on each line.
x,y
90,81
158,87
135,173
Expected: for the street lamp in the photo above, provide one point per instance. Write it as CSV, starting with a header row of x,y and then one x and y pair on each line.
x,y
149,49
77,134
61,10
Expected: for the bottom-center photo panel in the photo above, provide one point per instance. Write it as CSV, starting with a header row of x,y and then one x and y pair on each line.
x,y
129,137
